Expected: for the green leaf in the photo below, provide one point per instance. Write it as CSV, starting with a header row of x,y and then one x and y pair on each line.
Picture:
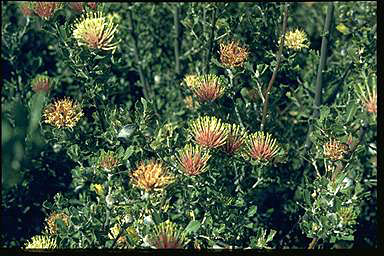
x,y
193,226
252,211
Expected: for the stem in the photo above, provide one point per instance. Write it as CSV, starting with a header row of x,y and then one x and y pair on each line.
x,y
319,79
210,42
136,54
313,243
274,74
176,18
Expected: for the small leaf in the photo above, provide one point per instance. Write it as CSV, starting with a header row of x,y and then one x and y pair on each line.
x,y
193,226
252,211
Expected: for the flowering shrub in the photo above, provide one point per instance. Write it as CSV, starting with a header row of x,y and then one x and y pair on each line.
x,y
189,125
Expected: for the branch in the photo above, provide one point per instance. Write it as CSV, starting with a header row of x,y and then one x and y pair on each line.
x,y
274,74
210,42
319,78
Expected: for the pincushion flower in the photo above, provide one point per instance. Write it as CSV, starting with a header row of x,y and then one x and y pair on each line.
x,y
192,160
168,235
368,96
76,6
95,31
41,83
51,221
334,150
63,113
296,40
232,55
25,8
41,242
209,131
151,176
46,9
261,146
206,87
235,140
108,161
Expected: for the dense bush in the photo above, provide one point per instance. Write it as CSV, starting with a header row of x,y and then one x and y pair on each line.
x,y
189,125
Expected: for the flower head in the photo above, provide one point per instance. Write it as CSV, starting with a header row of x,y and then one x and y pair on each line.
x,y
236,138
206,87
95,31
25,8
46,9
51,221
192,160
209,131
76,6
151,176
40,83
368,96
108,161
261,146
168,235
63,113
296,40
41,242
346,215
92,5
232,55
334,150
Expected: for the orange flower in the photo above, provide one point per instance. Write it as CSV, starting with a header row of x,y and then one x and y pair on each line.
x,y
40,83
232,55
25,8
151,176
262,147
168,235
208,131
236,138
192,161
108,161
334,150
46,9
206,87
63,113
368,94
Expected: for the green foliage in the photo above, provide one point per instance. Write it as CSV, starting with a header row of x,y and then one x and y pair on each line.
x,y
136,108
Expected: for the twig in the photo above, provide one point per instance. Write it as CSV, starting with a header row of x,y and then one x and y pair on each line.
x,y
319,78
210,42
313,243
274,74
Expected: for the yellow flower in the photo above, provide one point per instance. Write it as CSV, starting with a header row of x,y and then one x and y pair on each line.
x,y
208,131
236,138
261,147
296,40
232,55
40,83
206,87
41,242
168,235
63,113
192,161
51,221
151,176
334,150
95,31
46,9
98,188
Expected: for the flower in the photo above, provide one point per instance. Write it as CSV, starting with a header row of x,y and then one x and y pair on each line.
x,y
25,8
208,131
206,87
92,5
296,40
108,161
40,83
192,161
151,176
95,31
98,188
334,150
232,55
347,215
41,242
368,96
261,146
76,6
168,235
63,113
46,9
236,138
51,221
